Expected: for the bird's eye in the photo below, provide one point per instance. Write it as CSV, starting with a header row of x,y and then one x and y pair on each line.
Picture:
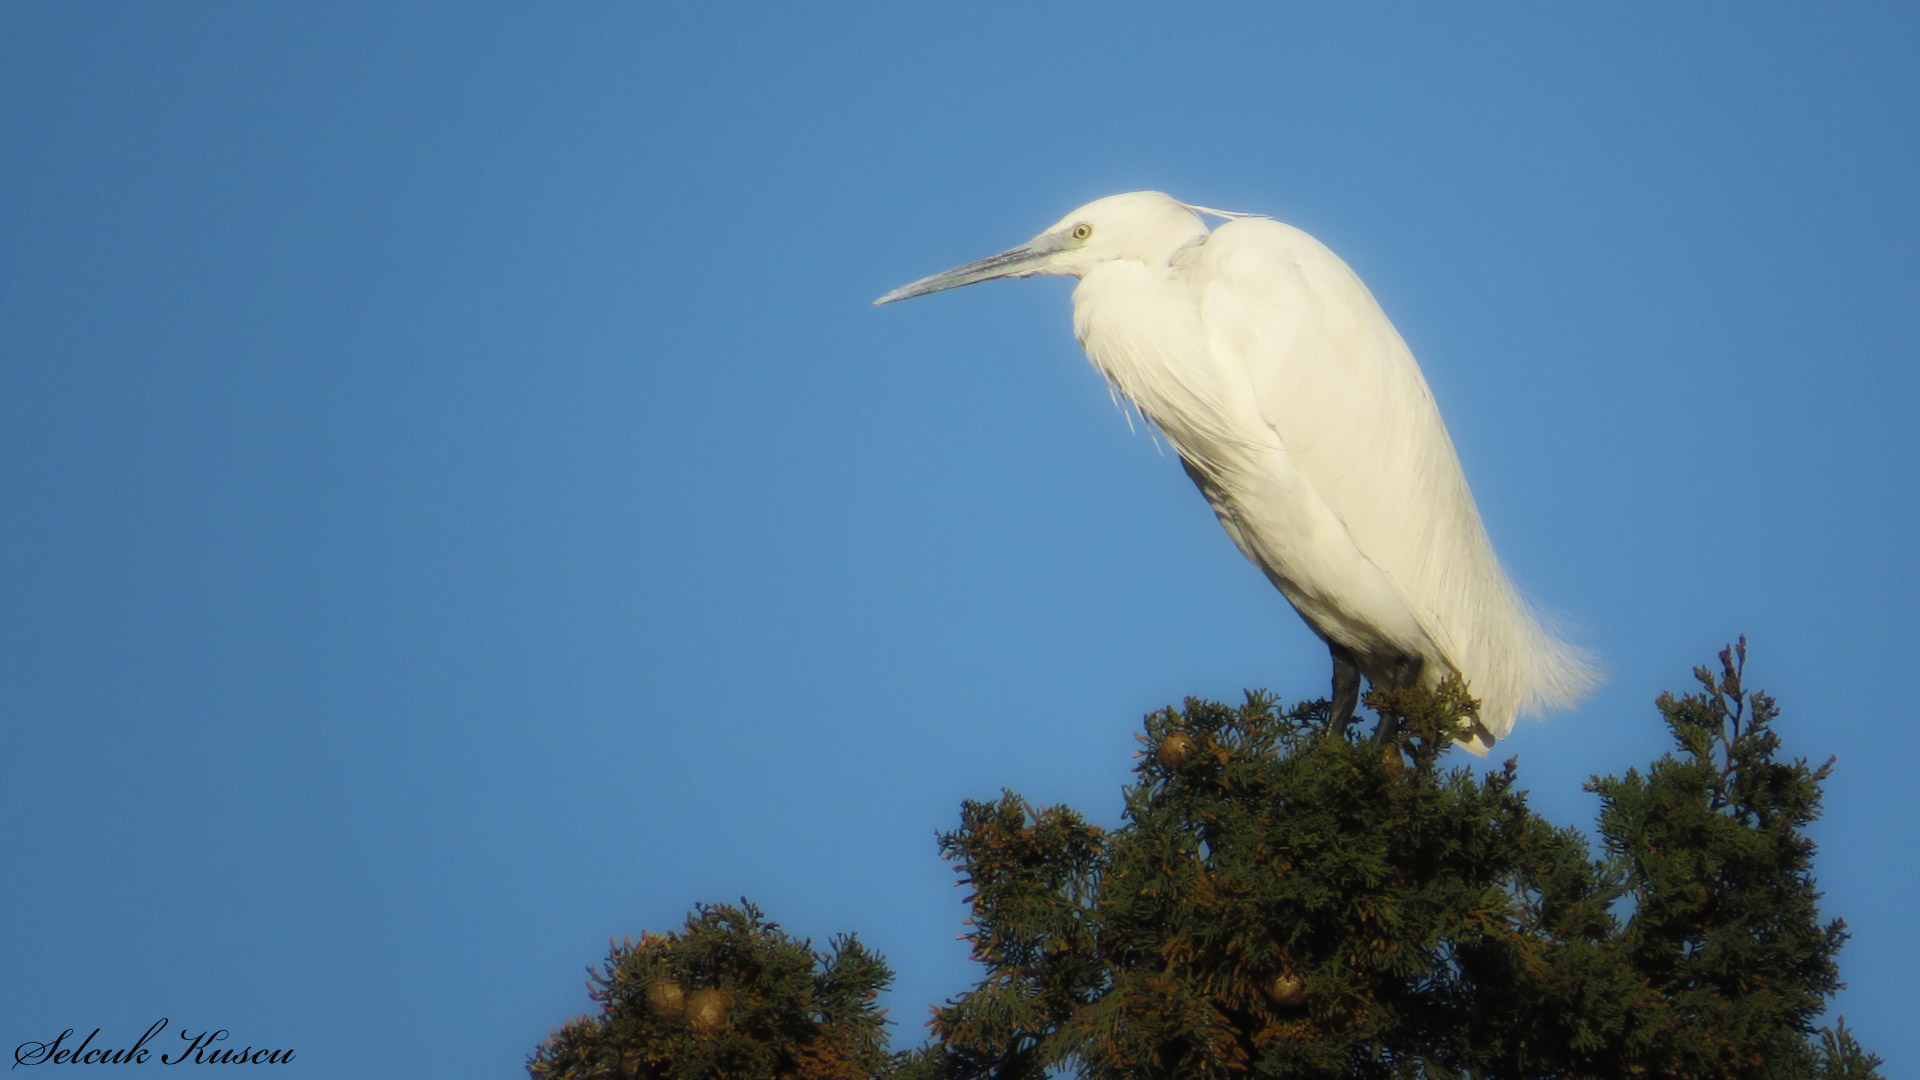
x,y
1082,231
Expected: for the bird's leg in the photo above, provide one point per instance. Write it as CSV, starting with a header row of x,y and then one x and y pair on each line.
x,y
1406,672
1346,688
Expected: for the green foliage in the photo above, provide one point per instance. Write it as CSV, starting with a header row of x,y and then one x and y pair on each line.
x,y
1841,1057
1725,928
730,998
1280,903
1285,902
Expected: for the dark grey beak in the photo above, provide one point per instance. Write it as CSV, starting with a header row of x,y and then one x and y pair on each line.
x,y
1028,258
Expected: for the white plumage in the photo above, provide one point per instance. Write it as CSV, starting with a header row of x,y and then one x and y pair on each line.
x,y
1304,420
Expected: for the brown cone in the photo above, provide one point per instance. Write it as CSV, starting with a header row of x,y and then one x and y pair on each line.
x,y
665,999
1174,749
1287,990
707,1011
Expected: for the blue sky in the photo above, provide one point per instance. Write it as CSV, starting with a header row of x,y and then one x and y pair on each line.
x,y
460,505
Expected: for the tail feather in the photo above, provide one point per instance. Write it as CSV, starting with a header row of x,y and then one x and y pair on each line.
x,y
1533,670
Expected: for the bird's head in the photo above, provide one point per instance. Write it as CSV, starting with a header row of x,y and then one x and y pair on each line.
x,y
1141,226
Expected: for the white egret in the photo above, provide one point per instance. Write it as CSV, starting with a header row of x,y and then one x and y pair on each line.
x,y
1303,419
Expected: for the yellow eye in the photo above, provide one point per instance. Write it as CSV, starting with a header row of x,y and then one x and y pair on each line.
x,y
1082,231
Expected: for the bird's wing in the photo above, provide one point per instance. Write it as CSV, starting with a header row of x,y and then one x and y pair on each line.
x,y
1333,380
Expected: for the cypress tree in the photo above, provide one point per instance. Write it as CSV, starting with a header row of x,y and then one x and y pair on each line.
x,y
1285,901
730,996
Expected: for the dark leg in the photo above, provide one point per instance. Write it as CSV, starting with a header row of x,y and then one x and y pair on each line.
x,y
1406,672
1346,688
1389,727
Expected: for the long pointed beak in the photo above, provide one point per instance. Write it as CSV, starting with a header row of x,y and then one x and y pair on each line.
x,y
1028,258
